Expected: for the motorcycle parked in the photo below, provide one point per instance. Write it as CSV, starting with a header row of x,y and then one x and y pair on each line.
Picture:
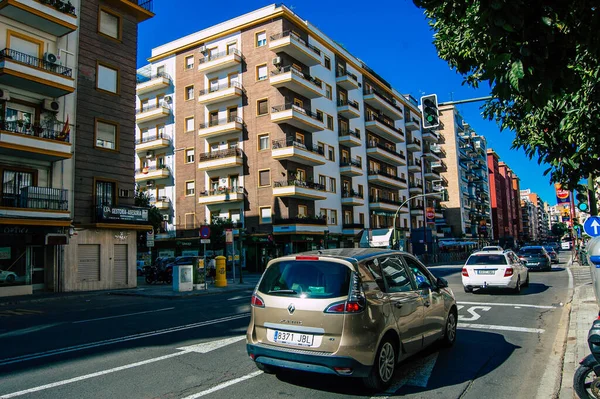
x,y
155,274
586,381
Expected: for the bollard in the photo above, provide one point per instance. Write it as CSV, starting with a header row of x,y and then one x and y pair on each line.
x,y
221,277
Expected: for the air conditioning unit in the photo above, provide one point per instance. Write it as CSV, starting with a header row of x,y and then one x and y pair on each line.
x,y
277,61
51,105
202,49
166,218
149,154
150,183
4,95
167,99
51,58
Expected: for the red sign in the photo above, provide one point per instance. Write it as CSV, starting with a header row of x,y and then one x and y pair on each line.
x,y
562,196
430,213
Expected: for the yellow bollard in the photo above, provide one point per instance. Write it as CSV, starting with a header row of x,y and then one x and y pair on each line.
x,y
220,278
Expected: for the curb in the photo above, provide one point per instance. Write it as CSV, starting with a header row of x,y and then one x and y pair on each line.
x,y
182,296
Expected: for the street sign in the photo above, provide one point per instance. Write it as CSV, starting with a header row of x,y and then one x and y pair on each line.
x,y
204,231
150,239
205,241
228,236
592,226
430,213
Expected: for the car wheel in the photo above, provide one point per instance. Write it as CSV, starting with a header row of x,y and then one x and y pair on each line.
x,y
384,367
468,289
266,369
450,331
517,289
526,283
10,278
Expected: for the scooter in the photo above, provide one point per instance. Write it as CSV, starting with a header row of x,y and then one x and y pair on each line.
x,y
154,274
586,381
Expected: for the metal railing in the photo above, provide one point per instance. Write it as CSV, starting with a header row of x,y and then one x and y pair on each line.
x,y
373,144
297,39
371,118
33,197
372,90
351,194
350,162
412,100
290,142
145,4
149,169
222,190
304,76
214,89
159,136
51,131
218,55
299,183
348,132
35,62
353,104
223,121
373,172
63,6
300,220
340,73
209,156
384,200
141,78
307,112
150,107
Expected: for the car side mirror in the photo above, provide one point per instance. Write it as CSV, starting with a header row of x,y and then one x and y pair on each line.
x,y
523,262
442,282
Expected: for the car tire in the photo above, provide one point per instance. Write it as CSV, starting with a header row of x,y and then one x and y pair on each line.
x,y
10,278
468,289
517,289
449,336
381,374
526,283
266,368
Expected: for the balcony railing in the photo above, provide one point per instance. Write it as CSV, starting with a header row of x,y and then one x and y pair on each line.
x,y
37,198
216,56
147,108
348,132
145,4
216,88
340,73
351,162
373,172
230,152
62,6
297,39
149,169
351,194
223,121
343,103
140,78
307,112
385,122
222,190
373,144
290,142
385,200
299,183
35,62
372,90
315,81
147,139
51,131
412,100
300,220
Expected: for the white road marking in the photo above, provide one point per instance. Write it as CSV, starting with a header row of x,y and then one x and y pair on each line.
x,y
23,358
236,298
203,347
224,385
459,307
501,328
507,304
417,375
122,315
24,331
474,315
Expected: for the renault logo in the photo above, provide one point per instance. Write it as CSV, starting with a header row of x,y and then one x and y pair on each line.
x,y
291,308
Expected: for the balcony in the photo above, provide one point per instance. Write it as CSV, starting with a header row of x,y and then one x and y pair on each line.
x,y
51,16
349,138
296,47
141,9
412,124
151,113
299,224
219,94
36,203
348,109
352,229
221,195
298,117
378,100
299,189
33,141
152,173
36,75
298,82
416,210
290,150
413,167
386,180
346,80
221,127
221,159
415,188
351,167
352,198
431,156
149,83
430,136
153,142
220,61
381,127
413,145
162,203
431,175
381,152
385,204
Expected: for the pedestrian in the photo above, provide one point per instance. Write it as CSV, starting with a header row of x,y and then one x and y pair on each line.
x,y
212,269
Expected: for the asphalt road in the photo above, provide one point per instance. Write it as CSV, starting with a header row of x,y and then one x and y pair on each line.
x,y
130,347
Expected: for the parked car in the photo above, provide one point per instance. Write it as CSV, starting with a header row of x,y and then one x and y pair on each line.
x,y
494,269
552,253
8,276
554,245
329,312
492,248
536,258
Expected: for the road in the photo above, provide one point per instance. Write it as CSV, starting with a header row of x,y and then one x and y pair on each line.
x,y
129,347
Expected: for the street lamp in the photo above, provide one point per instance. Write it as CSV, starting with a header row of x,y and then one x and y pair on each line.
x,y
402,205
422,157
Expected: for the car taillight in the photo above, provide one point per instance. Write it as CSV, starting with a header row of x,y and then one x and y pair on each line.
x,y
257,301
508,272
304,257
465,272
346,307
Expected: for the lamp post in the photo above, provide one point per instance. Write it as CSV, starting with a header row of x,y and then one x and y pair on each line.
x,y
422,157
401,206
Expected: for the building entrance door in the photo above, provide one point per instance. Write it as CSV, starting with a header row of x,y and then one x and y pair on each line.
x,y
35,263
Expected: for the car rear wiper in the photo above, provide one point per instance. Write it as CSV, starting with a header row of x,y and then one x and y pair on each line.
x,y
282,292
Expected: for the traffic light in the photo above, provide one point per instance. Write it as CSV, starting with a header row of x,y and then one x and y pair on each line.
x,y
582,202
429,111
445,195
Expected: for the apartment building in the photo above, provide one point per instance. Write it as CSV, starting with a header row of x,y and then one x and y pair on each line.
x,y
467,212
284,133
66,83
539,225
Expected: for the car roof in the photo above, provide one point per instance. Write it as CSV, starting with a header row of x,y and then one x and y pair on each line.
x,y
482,253
357,254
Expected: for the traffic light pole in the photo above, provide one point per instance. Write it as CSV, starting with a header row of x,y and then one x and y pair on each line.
x,y
468,100
592,195
402,206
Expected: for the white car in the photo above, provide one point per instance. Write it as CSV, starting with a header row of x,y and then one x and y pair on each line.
x,y
494,269
492,248
7,277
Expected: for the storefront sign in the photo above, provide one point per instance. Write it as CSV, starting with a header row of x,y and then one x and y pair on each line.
x,y
123,214
4,252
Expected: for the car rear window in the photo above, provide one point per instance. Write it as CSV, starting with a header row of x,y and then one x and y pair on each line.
x,y
487,260
306,279
531,251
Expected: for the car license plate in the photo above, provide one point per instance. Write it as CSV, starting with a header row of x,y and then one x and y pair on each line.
x,y
291,338
532,263
486,271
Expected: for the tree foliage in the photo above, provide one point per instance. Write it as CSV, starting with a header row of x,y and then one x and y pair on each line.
x,y
559,229
142,198
541,60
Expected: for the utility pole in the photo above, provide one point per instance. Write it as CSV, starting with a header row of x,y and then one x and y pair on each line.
x,y
591,191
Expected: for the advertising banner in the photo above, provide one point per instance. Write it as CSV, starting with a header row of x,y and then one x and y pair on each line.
x,y
562,196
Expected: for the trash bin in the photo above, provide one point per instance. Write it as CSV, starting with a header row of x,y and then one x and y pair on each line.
x,y
183,278
593,255
221,277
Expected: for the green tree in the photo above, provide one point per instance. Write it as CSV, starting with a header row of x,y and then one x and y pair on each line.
x,y
142,198
217,232
541,60
559,229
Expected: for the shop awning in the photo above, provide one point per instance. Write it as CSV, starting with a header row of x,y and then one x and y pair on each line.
x,y
380,238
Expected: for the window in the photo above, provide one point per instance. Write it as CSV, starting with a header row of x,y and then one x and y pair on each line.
x,y
376,273
189,155
264,178
262,107
421,277
105,193
298,103
329,122
328,92
231,47
299,138
395,274
13,181
189,62
213,85
190,220
109,24
322,180
321,148
361,191
301,174
160,71
361,218
345,156
331,153
189,124
327,62
332,184
343,126
189,93
302,210
332,216
25,44
190,188
265,215
261,72
106,135
261,39
107,78
347,217
263,142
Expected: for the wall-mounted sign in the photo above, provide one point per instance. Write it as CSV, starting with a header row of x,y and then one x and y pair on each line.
x,y
123,214
4,252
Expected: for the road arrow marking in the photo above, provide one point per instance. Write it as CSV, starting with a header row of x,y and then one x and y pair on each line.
x,y
474,315
416,374
224,385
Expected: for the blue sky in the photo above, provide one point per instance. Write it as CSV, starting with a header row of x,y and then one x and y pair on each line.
x,y
392,37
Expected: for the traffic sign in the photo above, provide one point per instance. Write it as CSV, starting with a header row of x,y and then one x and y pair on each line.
x,y
228,236
592,226
205,241
204,231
